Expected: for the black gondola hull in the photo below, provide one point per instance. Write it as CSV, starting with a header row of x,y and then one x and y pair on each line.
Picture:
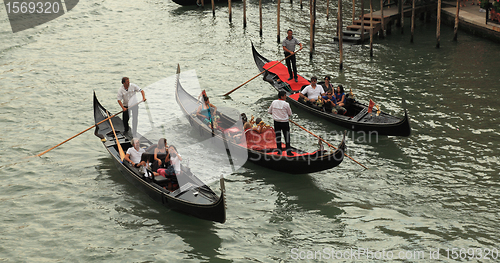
x,y
214,211
394,127
294,165
401,128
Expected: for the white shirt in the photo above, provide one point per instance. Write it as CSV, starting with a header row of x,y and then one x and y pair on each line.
x,y
135,156
313,93
176,163
280,110
128,96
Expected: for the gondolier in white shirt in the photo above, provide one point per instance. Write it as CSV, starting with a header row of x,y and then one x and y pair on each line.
x,y
280,110
126,93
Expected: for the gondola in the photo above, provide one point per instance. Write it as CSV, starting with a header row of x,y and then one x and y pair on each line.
x,y
198,2
192,197
259,148
358,116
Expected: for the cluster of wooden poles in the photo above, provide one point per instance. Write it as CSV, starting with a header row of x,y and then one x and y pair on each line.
x,y
312,8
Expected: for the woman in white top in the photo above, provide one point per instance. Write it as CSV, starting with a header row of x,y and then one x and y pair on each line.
x,y
175,159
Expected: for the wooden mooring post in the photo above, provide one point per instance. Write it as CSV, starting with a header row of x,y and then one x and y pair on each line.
x,y
213,8
312,14
260,16
400,12
327,8
455,29
244,13
438,30
339,27
402,17
382,30
279,7
413,20
230,13
371,28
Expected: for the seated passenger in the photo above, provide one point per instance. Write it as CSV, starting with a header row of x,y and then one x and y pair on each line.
x,y
160,157
260,126
175,160
173,170
340,96
134,154
206,111
243,118
247,126
330,102
256,124
327,86
311,92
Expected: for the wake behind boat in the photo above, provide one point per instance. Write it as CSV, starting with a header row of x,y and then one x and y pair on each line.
x,y
358,116
260,147
192,196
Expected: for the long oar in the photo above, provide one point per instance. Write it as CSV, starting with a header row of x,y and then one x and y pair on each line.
x,y
80,133
326,142
120,149
262,72
149,115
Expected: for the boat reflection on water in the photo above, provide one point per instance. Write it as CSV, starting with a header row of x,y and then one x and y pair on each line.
x,y
295,194
158,224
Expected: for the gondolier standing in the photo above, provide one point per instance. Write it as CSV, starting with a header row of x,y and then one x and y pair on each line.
x,y
280,110
127,94
289,47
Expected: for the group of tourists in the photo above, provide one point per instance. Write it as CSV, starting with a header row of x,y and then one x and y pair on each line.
x,y
332,99
325,97
166,161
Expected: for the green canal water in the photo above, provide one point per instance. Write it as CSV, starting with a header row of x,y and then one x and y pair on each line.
x,y
431,195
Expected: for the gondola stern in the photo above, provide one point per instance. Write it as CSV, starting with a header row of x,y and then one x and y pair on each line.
x,y
342,147
223,198
96,105
406,121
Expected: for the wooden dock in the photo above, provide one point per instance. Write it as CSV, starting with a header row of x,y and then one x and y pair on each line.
x,y
391,14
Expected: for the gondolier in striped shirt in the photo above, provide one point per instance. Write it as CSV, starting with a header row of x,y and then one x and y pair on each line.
x,y
280,110
289,48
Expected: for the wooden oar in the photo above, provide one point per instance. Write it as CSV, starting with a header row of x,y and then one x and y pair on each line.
x,y
149,115
120,149
262,72
80,133
326,142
